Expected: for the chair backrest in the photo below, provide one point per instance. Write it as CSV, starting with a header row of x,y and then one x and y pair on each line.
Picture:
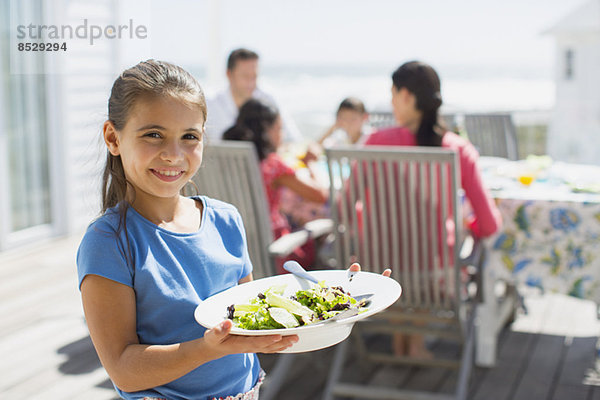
x,y
230,172
493,134
391,209
449,120
381,119
385,119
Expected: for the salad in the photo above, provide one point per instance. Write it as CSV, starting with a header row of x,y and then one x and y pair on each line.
x,y
271,310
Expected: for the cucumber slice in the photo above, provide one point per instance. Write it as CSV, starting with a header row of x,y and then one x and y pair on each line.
x,y
283,317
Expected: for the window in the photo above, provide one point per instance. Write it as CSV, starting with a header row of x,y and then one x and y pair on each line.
x,y
25,187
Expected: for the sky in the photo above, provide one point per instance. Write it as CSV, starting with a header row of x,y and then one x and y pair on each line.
x,y
490,54
485,33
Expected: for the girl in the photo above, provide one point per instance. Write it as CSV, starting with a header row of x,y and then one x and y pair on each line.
x,y
154,255
416,100
260,123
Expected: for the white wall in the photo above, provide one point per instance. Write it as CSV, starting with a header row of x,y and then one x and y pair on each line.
x,y
85,79
574,132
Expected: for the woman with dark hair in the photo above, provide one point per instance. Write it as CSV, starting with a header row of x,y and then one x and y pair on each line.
x,y
416,99
260,123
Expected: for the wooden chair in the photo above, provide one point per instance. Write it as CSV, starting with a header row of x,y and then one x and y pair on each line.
x,y
407,195
230,172
449,121
493,134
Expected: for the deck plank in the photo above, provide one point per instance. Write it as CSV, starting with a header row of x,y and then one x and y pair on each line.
x,y
438,380
594,393
499,381
579,359
542,368
47,352
20,369
478,375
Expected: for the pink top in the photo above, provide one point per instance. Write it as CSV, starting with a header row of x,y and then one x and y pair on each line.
x,y
486,218
272,168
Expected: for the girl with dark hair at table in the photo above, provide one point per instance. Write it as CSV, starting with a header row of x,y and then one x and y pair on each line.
x,y
260,123
416,100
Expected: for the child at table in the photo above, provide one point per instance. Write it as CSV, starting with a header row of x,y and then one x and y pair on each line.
x,y
416,100
260,123
153,254
349,124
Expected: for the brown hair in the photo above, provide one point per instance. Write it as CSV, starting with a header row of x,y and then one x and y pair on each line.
x,y
148,78
256,117
240,55
352,104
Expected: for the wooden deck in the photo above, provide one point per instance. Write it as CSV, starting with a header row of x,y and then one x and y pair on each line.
x,y
46,351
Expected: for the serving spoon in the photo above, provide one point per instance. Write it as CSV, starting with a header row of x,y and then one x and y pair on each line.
x,y
295,268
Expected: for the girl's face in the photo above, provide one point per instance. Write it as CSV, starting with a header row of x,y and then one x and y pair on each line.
x,y
405,108
275,132
160,146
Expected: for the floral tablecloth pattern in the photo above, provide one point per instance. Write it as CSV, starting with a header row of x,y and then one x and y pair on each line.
x,y
554,246
548,240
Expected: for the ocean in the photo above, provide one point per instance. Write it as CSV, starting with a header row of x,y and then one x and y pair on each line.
x,y
312,93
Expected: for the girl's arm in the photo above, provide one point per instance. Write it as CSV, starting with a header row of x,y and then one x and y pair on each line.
x,y
247,278
309,191
110,313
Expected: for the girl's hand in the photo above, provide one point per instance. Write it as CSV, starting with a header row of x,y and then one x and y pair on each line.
x,y
219,339
356,267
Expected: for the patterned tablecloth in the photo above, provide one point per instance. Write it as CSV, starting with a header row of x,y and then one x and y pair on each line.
x,y
550,237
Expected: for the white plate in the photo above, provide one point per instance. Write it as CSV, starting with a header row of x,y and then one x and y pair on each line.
x,y
386,291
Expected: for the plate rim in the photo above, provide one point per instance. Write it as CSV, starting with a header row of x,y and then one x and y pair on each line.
x,y
305,328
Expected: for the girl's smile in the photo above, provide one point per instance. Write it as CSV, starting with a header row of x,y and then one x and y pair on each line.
x,y
167,175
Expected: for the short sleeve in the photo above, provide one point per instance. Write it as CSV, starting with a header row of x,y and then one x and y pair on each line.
x,y
104,252
247,263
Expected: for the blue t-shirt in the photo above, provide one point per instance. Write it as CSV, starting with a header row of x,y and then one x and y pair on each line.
x,y
171,273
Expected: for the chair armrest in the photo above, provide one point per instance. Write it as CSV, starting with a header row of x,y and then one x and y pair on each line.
x,y
472,256
287,243
319,227
471,252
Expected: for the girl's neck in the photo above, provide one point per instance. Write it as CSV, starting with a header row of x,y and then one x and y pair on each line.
x,y
179,214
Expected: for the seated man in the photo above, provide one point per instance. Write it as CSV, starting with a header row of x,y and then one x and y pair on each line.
x,y
223,108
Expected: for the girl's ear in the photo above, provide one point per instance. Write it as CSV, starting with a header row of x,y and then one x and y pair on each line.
x,y
111,138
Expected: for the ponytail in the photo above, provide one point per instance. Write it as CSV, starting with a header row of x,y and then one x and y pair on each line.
x,y
423,82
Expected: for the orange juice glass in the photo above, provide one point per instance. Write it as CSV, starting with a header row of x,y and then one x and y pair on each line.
x,y
526,179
